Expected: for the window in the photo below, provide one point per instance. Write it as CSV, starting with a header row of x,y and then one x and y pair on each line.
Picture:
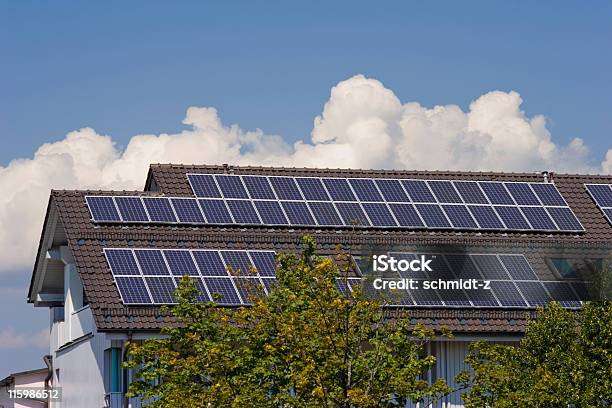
x,y
85,300
112,370
565,268
57,313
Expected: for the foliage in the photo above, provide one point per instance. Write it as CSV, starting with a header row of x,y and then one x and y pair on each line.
x,y
304,345
564,360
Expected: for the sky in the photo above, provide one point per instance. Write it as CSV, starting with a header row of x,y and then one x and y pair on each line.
x,y
92,92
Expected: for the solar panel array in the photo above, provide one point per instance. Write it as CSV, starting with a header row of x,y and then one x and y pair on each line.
x,y
349,202
602,194
230,277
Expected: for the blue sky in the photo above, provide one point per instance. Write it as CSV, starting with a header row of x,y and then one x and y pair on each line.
x,y
126,68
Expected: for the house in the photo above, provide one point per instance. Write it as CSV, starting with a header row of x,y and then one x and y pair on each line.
x,y
107,259
31,379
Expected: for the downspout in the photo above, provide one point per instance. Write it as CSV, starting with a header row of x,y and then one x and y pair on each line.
x,y
48,359
126,400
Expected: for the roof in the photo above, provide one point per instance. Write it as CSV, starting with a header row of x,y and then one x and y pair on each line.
x,y
86,240
8,380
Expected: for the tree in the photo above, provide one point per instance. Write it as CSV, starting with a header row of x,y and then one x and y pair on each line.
x,y
564,360
306,344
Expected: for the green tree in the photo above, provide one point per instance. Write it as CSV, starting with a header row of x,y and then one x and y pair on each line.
x,y
306,344
564,360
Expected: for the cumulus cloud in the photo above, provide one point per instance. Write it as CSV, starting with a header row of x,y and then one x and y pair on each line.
x,y
10,339
363,125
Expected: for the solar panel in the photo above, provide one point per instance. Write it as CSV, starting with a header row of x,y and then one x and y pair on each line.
x,y
564,217
490,267
534,293
237,262
132,290
522,193
454,297
470,192
512,218
399,297
216,211
231,186
459,216
203,185
444,191
223,291
482,297
406,215
339,189
312,189
440,269
507,294
297,213
131,209
249,289
159,209
583,291
187,210
243,211
202,295
342,286
496,193
409,274
486,217
433,216
269,284
518,267
181,263
608,213
325,213
161,288
392,191
264,262
151,262
418,191
548,194
285,188
102,208
121,261
258,187
538,218
271,212
210,263
379,214
352,214
601,193
462,266
562,292
365,189
425,297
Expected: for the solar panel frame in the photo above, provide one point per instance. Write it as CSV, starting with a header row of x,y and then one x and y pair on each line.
x,y
379,214
486,217
161,289
433,216
231,186
325,213
285,188
224,286
243,212
129,293
460,216
600,193
237,263
209,263
490,267
160,209
444,191
215,211
103,205
187,215
496,193
470,192
151,262
548,194
352,214
365,189
517,267
264,262
392,190
425,297
122,261
270,212
563,293
312,188
565,219
339,189
512,217
522,193
204,185
418,191
131,208
406,215
180,262
298,213
242,286
533,292
508,294
258,187
539,218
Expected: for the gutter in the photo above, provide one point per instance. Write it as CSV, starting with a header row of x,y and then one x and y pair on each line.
x,y
48,359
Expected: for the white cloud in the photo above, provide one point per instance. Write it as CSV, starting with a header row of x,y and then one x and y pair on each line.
x,y
363,125
10,339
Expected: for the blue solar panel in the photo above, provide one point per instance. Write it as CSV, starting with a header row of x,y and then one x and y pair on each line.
x,y
210,263
459,216
223,291
285,188
202,295
444,191
342,286
462,266
216,211
608,213
538,218
409,274
325,213
486,217
298,213
243,212
406,215
583,290
512,218
203,185
490,267
496,193
425,297
562,293
132,290
159,209
522,193
271,212
181,263
352,214
231,186
131,209
601,193
482,297
518,267
264,262
151,262
379,214
102,208
418,191
237,262
548,194
470,192
312,189
565,218
507,294
161,288
534,293
433,216
339,189
440,269
121,262
269,283
258,187
454,297
187,210
392,191
365,189
249,289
